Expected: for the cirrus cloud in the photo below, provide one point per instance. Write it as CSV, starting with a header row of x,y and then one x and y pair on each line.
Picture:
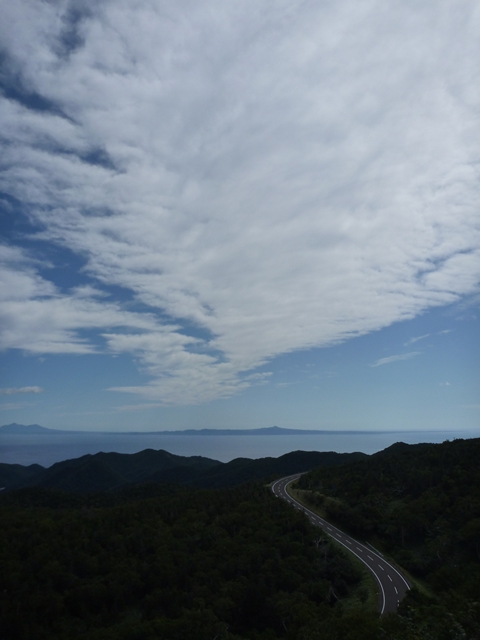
x,y
276,177
396,358
16,390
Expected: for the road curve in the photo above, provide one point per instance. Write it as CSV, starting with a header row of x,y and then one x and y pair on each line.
x,y
392,585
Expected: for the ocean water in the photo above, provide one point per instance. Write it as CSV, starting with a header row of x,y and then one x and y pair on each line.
x,y
48,449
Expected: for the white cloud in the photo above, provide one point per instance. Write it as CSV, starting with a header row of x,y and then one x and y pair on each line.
x,y
426,335
37,318
396,358
416,339
283,176
16,390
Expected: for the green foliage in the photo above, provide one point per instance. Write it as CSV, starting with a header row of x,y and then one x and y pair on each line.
x,y
163,562
117,471
421,504
188,564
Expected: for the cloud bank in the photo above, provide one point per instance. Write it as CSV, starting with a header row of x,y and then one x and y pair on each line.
x,y
258,178
396,358
16,390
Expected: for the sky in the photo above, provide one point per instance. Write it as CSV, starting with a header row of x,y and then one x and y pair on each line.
x,y
240,214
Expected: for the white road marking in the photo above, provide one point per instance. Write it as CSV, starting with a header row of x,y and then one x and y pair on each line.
x,y
337,534
396,590
389,577
370,558
384,600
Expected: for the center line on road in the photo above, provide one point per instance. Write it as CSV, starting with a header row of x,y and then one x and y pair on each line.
x,y
338,535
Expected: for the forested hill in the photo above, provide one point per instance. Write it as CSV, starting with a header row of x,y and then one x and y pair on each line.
x,y
421,505
409,495
165,562
114,471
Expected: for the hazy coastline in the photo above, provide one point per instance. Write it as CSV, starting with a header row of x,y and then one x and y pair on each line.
x,y
38,448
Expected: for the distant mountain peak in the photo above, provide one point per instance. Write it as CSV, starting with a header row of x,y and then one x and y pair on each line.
x,y
23,429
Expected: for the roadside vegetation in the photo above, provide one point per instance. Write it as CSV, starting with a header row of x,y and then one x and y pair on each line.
x,y
234,564
419,504
166,562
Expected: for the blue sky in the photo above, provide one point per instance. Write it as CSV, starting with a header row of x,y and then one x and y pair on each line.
x,y
240,214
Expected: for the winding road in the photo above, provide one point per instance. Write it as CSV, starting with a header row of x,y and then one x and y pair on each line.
x,y
392,585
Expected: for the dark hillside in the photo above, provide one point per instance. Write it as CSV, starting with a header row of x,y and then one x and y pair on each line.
x,y
100,472
245,470
420,503
114,471
165,562
196,565
409,495
13,475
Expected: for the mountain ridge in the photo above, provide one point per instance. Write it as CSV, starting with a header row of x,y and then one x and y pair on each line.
x,y
15,428
24,429
113,471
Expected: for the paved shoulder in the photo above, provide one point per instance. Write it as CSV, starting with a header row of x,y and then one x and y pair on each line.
x,y
392,585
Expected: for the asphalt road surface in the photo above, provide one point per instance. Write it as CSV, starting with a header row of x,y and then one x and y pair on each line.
x,y
392,586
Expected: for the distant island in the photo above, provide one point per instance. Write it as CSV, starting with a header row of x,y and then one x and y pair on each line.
x,y
26,429
36,429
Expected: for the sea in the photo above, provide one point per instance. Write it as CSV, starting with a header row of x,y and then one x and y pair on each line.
x,y
48,449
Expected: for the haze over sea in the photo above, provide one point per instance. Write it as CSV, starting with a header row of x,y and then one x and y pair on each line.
x,y
41,449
